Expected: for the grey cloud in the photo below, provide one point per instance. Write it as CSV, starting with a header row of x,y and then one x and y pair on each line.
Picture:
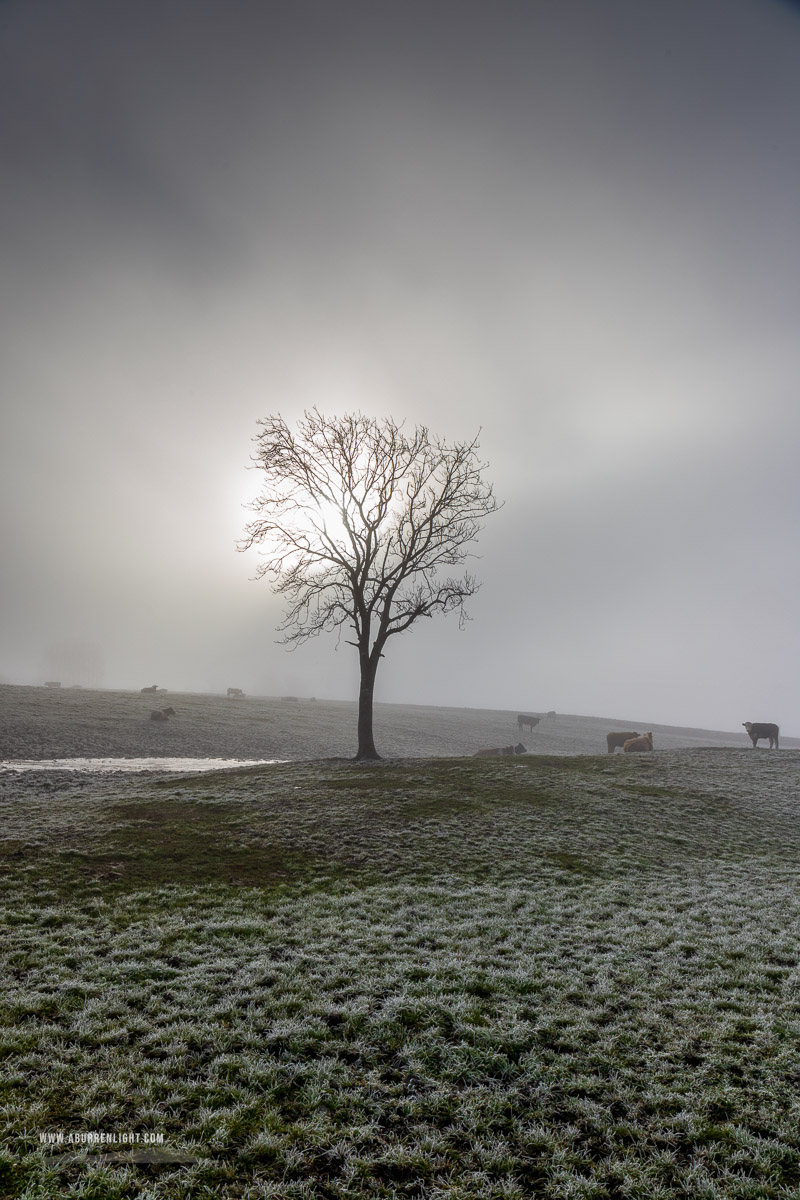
x,y
575,229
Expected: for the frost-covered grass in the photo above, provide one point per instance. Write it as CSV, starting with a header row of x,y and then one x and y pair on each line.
x,y
559,978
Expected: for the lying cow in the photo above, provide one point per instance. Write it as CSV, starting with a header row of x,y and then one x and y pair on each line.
x,y
531,722
618,739
762,729
161,714
634,744
500,752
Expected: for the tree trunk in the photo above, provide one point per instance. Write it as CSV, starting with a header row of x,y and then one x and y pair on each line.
x,y
366,742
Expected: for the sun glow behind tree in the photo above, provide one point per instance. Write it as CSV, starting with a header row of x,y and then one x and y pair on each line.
x,y
358,523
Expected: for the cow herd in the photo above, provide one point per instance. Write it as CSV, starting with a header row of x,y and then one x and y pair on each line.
x,y
630,741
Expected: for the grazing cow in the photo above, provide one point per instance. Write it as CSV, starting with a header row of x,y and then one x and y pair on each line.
x,y
235,693
762,729
161,714
618,739
531,722
645,742
500,751
152,689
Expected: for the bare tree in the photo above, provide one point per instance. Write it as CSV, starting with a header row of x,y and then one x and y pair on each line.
x,y
357,521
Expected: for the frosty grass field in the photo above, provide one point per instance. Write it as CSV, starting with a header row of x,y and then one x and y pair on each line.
x,y
557,976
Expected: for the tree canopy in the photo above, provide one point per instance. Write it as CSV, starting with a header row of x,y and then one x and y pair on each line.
x,y
358,524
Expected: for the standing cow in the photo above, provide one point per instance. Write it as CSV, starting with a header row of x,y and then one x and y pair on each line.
x,y
618,739
531,722
762,729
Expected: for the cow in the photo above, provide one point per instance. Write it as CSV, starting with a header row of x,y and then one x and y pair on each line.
x,y
762,729
618,739
235,693
500,751
53,683
531,722
550,714
152,690
161,714
645,742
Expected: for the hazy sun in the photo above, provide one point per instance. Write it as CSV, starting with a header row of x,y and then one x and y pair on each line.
x,y
330,520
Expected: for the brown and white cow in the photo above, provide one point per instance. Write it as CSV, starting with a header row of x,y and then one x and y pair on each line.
x,y
645,742
500,751
618,739
762,729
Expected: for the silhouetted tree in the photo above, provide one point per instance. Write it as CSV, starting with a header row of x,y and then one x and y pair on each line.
x,y
357,521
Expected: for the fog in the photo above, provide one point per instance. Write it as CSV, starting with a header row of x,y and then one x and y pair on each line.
x,y
571,226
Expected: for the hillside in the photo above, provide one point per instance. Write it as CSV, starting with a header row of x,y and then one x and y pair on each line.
x,y
555,976
39,723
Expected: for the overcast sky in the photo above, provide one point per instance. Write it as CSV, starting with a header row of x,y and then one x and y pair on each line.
x,y
572,225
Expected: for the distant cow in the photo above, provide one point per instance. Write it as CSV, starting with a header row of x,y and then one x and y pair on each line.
x,y
500,752
645,742
152,689
235,693
618,739
53,683
161,714
762,729
531,722
550,714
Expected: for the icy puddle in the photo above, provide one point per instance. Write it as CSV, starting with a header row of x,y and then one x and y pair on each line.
x,y
97,766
